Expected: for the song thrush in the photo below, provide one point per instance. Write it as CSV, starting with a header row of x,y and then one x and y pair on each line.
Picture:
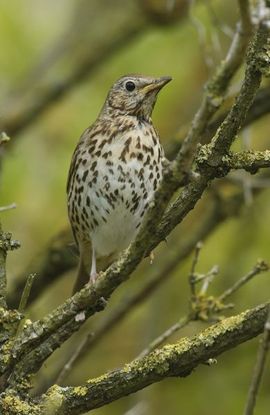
x,y
115,170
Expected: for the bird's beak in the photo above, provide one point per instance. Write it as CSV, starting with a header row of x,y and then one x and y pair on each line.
x,y
157,84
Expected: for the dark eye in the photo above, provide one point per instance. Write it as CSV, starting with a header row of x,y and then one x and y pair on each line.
x,y
130,86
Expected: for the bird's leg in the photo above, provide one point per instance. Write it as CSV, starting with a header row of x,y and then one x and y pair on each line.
x,y
93,276
93,273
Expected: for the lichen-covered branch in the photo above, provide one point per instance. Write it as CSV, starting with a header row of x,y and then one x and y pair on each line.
x,y
249,160
174,360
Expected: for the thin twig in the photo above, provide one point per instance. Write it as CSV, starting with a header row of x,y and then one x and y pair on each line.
x,y
259,368
79,351
193,280
202,35
3,277
261,266
208,278
183,322
216,22
8,207
4,138
26,293
140,408
192,276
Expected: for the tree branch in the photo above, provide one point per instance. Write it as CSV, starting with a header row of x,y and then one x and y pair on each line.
x,y
174,360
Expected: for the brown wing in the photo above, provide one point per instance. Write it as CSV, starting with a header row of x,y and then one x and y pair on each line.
x,y
72,169
85,140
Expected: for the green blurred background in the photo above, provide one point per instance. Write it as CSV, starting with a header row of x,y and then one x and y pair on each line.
x,y
40,44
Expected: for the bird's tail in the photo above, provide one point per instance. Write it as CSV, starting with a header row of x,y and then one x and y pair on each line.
x,y
82,277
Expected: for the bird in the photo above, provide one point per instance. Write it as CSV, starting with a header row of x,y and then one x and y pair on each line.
x,y
115,170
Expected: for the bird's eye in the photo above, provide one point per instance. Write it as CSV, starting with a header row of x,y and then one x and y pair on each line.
x,y
130,86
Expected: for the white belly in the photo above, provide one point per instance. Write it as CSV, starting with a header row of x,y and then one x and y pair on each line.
x,y
119,219
117,233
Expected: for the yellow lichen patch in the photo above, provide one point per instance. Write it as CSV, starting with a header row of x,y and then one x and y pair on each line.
x,y
13,405
182,345
98,380
53,400
80,390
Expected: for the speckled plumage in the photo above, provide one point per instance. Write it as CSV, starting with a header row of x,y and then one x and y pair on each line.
x,y
114,172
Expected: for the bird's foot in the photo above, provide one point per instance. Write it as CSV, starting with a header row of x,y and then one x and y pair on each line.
x,y
101,303
152,257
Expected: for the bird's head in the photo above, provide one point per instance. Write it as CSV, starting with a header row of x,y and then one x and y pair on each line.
x,y
134,95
